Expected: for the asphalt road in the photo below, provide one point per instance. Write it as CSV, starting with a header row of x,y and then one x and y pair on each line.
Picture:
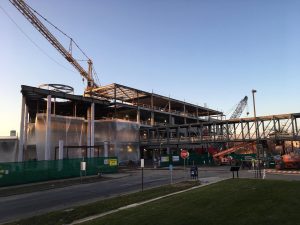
x,y
26,205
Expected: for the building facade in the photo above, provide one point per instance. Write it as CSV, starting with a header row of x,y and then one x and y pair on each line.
x,y
57,124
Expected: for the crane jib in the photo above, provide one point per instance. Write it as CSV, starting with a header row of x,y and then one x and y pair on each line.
x,y
31,17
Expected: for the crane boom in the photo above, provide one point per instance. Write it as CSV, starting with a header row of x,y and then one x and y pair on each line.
x,y
32,18
233,149
240,108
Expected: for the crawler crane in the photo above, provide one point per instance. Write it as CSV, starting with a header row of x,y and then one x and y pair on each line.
x,y
221,157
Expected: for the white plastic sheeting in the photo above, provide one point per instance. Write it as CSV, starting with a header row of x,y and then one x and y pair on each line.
x,y
8,149
71,130
122,137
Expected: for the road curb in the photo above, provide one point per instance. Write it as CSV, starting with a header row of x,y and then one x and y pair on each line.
x,y
206,183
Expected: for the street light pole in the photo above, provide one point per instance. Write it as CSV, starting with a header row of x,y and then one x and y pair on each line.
x,y
253,92
258,172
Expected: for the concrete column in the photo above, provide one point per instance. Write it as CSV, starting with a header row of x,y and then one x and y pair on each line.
x,y
48,129
296,126
88,133
105,149
21,141
184,111
152,101
92,129
170,116
115,101
152,118
152,108
138,116
25,127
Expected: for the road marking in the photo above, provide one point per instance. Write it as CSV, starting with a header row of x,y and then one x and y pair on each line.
x,y
273,171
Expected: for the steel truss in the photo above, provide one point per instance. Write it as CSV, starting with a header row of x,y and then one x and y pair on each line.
x,y
276,128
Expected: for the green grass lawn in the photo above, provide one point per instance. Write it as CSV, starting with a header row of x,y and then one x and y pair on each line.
x,y
231,202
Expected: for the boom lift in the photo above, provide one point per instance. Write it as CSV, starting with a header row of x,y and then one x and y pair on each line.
x,y
27,11
220,158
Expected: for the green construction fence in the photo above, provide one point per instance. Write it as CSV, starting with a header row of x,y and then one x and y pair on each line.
x,y
204,159
35,171
193,159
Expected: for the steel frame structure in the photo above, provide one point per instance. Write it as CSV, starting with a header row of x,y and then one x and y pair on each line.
x,y
275,127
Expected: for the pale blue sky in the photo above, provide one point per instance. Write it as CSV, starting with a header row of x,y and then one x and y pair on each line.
x,y
204,51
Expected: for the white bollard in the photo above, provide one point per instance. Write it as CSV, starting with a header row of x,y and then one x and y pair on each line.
x,y
264,174
61,149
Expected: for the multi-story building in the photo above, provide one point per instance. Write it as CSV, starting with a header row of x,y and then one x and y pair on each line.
x,y
57,124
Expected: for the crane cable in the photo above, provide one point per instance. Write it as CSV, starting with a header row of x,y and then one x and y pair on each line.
x,y
49,22
232,110
35,44
71,41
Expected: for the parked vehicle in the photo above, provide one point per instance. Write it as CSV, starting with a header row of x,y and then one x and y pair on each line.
x,y
290,160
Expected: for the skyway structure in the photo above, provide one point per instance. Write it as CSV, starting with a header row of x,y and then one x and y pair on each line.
x,y
275,127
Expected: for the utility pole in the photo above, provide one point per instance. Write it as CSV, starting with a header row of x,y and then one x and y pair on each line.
x,y
257,172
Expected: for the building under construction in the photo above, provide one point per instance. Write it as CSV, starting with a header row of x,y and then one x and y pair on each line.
x,y
105,121
57,124
127,123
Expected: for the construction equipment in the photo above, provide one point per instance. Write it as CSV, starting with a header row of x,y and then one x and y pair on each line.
x,y
288,161
240,108
27,11
288,158
222,158
236,114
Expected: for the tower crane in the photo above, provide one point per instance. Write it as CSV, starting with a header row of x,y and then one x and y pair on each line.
x,y
240,108
26,10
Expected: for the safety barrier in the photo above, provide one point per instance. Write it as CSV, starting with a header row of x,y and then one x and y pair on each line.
x,y
35,171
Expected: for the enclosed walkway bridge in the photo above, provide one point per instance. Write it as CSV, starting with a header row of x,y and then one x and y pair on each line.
x,y
276,127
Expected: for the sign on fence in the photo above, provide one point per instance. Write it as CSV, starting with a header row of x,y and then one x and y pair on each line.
x,y
113,162
83,166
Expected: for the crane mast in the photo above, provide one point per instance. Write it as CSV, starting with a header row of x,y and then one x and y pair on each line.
x,y
32,18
